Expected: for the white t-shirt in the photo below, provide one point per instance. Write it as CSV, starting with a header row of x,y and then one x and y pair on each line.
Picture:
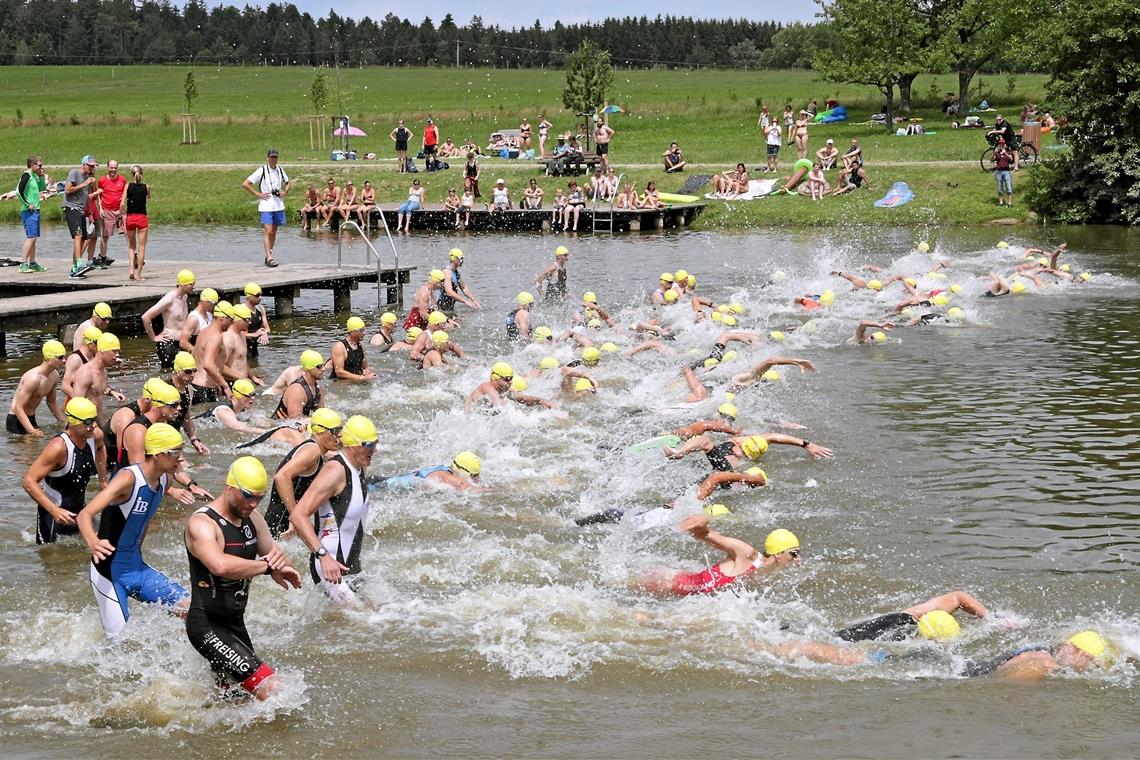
x,y
774,134
267,180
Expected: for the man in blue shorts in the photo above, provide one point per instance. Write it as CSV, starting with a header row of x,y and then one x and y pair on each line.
x,y
32,186
269,184
125,509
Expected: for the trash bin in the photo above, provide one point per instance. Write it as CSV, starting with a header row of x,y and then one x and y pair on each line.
x,y
1031,133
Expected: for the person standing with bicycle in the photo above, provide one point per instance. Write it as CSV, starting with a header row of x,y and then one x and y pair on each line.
x,y
1003,159
1004,130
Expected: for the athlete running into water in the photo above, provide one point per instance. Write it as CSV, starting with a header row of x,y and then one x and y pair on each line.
x,y
453,288
347,356
555,274
303,395
423,303
227,545
37,384
299,468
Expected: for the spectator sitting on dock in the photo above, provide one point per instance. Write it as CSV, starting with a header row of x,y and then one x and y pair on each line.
x,y
559,207
452,204
628,198
611,185
348,205
312,208
674,159
367,203
414,203
467,203
532,196
330,199
500,196
575,200
449,149
651,200
598,185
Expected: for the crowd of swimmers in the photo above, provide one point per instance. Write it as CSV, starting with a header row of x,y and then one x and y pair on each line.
x,y
318,493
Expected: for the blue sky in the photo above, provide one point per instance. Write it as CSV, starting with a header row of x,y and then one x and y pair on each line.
x,y
504,14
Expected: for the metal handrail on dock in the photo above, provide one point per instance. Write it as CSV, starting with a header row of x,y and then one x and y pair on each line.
x,y
347,223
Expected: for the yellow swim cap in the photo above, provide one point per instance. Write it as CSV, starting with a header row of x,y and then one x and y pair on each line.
x,y
561,251
923,247
542,332
681,275
936,276
879,336
436,275
779,275
940,300
875,284
244,388
1002,244
439,336
717,316
583,384
780,540
248,474
311,359
1089,642
355,324
1066,268
711,362
776,335
549,362
955,288
938,625
691,282
956,313
503,371
591,355
754,447
1043,261
609,347
1017,287
91,334
771,376
729,396
186,277
108,342
436,318
717,510
252,289
209,295
161,438
53,349
670,296
737,308
412,333
82,410
519,384
1086,276
594,324
728,356
723,308
224,308
754,471
727,410
102,310
809,327
911,281
324,419
666,277
589,297
241,311
469,462
728,320
358,430
827,298
161,392
388,318
455,253
524,298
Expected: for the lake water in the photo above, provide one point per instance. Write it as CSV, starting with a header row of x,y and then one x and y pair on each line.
x,y
996,456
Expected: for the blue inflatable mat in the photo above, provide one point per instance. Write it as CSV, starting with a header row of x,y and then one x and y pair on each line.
x,y
900,194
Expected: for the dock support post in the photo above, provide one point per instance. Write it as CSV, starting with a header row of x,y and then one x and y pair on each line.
x,y
3,344
659,222
342,298
283,305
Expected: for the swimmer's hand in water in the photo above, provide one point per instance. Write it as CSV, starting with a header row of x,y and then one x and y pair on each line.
x,y
695,525
286,577
817,451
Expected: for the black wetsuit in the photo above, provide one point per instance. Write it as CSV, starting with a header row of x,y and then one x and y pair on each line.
x,y
215,622
974,669
556,286
276,515
255,324
896,626
111,441
121,455
67,487
205,395
445,302
312,399
354,362
718,456
179,421
513,325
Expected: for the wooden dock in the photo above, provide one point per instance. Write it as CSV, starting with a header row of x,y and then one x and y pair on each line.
x,y
433,218
53,301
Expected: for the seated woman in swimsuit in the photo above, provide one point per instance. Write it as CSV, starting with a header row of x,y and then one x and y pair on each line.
x,y
348,205
730,184
781,547
650,200
367,202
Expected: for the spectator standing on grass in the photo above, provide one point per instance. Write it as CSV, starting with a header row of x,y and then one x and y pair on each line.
x,y
112,186
1003,160
269,184
774,143
31,190
471,175
789,120
524,134
75,194
543,130
431,141
400,135
602,135
801,135
764,120
136,221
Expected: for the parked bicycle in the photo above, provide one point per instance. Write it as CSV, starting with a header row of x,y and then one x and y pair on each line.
x,y
1026,153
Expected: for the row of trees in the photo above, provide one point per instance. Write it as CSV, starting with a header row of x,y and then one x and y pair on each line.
x,y
124,31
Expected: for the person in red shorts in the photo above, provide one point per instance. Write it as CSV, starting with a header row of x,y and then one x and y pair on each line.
x,y
424,301
781,547
138,229
112,186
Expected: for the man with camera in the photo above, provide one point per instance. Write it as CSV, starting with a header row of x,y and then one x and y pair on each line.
x,y
270,184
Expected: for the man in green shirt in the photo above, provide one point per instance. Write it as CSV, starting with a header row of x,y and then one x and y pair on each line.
x,y
31,189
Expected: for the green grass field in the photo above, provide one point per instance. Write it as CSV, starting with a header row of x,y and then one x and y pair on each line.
x,y
131,114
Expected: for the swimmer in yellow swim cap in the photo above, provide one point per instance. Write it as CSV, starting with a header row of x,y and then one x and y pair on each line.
x,y
728,455
861,335
858,283
554,276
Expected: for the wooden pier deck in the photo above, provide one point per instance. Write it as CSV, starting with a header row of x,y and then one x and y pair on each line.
x,y
434,218
52,300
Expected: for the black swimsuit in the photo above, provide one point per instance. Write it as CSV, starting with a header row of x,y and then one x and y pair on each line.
x,y
354,362
276,515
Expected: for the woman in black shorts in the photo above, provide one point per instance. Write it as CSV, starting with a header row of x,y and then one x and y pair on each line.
x,y
400,135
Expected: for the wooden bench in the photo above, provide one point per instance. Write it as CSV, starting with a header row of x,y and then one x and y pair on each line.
x,y
581,164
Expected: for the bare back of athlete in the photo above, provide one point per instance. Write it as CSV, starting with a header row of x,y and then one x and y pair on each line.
x,y
287,376
209,354
236,354
35,385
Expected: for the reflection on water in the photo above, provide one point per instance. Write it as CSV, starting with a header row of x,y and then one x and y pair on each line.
x,y
994,456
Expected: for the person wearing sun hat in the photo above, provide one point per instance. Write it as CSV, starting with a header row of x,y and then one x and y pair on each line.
x,y
80,185
124,509
330,518
57,479
228,544
348,359
37,384
269,184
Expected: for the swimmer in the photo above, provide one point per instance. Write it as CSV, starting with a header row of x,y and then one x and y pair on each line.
x,y
781,547
160,402
518,321
299,468
303,395
100,319
184,370
591,311
77,358
997,287
491,391
461,475
287,376
199,319
556,275
228,544
583,387
760,371
542,335
725,416
386,338
347,356
858,283
431,349
125,508
173,308
861,336
238,405
210,382
57,480
257,333
753,477
517,393
411,335
235,347
454,289
664,285
36,385
896,626
91,379
729,454
330,518
423,303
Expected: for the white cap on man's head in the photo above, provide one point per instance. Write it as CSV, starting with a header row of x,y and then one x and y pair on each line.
x,y
830,141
